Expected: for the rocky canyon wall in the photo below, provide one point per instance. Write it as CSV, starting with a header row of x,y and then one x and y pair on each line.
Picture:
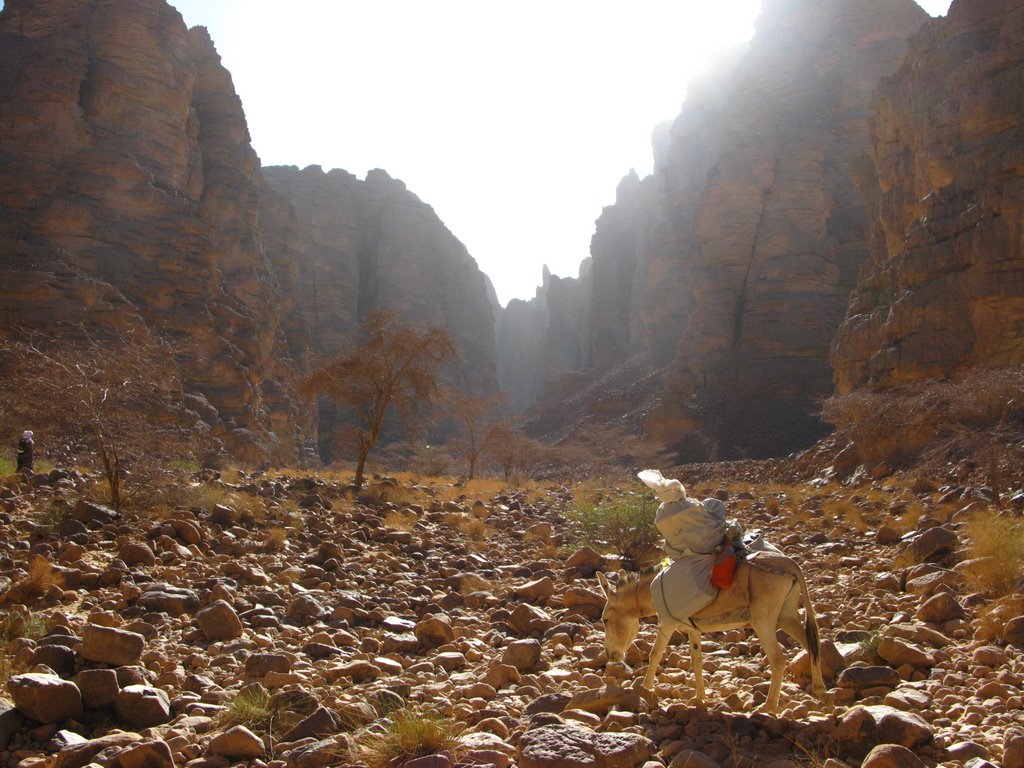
x,y
130,195
131,200
540,339
771,246
730,268
372,244
944,288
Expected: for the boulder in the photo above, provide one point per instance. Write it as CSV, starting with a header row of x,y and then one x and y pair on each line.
x,y
580,747
434,631
147,754
169,599
891,756
219,621
940,608
45,698
109,645
524,655
142,706
237,743
99,687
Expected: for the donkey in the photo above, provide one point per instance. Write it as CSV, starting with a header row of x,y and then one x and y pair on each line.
x,y
766,593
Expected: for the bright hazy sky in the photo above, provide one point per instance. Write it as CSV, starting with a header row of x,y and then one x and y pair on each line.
x,y
514,120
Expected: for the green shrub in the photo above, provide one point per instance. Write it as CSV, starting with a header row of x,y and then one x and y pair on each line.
x,y
624,526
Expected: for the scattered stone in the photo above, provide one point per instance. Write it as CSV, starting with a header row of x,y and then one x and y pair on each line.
x,y
897,652
134,553
1013,633
1013,748
868,677
79,755
218,621
99,687
45,698
580,747
142,706
891,756
434,631
318,724
940,608
237,743
524,655
148,754
169,599
109,645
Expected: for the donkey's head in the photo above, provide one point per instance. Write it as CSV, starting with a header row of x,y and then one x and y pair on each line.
x,y
621,615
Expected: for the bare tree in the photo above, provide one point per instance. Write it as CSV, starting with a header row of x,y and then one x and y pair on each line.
x,y
513,450
476,417
118,399
393,366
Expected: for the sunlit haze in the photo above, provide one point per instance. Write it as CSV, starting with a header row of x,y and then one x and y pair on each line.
x,y
515,121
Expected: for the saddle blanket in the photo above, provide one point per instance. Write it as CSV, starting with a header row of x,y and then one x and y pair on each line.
x,y
683,588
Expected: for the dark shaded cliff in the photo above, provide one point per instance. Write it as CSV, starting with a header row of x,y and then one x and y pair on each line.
x,y
130,195
370,244
730,268
944,289
131,200
540,339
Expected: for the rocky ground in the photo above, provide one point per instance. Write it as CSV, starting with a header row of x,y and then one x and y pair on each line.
x,y
132,640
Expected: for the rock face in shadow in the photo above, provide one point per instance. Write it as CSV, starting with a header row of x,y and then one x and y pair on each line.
x,y
130,196
541,339
731,267
131,200
371,244
944,289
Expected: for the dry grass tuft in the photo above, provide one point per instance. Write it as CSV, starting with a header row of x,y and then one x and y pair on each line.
x,y
252,708
274,539
38,582
400,519
408,734
992,618
470,527
997,545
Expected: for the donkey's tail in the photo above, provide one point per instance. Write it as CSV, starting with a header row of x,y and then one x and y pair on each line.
x,y
810,621
813,639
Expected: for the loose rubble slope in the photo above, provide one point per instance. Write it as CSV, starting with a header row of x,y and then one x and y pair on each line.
x,y
132,639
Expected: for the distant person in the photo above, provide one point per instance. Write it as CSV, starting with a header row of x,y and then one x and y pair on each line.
x,y
25,448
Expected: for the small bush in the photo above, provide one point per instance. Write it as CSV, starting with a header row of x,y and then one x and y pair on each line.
x,y
981,409
39,581
474,529
274,539
623,526
997,545
251,708
409,734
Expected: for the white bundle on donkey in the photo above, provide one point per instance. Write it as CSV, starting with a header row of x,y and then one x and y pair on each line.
x,y
693,533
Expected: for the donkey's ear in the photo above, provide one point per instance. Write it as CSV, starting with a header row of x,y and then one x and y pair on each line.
x,y
605,584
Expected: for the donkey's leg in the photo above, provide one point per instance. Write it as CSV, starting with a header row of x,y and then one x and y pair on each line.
x,y
764,628
664,635
697,663
806,634
792,625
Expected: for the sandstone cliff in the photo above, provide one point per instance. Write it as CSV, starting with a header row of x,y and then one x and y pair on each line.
x,y
372,244
130,195
540,339
944,289
732,265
